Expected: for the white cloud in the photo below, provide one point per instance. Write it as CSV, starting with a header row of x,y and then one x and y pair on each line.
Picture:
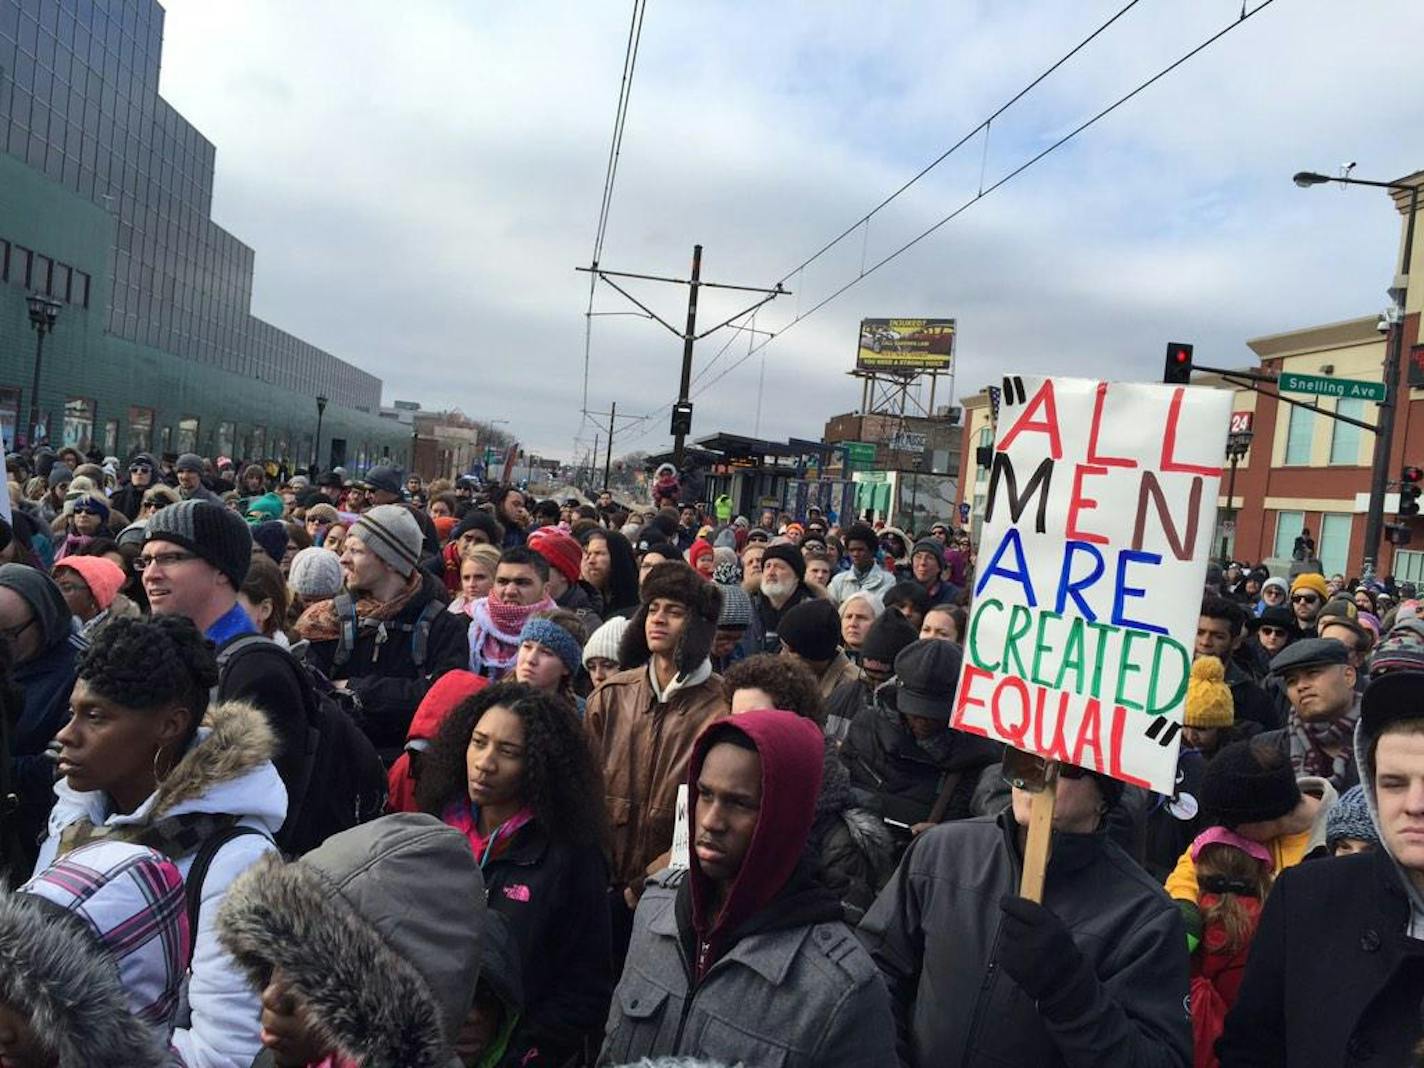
x,y
419,182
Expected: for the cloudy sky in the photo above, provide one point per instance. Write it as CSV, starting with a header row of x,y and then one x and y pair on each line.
x,y
420,181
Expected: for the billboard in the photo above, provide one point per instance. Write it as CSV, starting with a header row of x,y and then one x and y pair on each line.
x,y
905,345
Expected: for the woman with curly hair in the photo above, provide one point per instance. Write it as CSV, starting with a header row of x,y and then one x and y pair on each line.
x,y
511,769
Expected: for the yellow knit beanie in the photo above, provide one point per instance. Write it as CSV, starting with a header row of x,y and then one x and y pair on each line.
x,y
1209,701
1310,580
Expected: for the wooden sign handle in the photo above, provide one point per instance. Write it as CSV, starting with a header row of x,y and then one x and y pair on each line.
x,y
1040,834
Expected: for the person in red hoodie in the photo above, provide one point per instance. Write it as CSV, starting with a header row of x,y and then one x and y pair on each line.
x,y
739,954
447,694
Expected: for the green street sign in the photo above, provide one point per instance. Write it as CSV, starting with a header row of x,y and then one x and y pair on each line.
x,y
1320,386
859,452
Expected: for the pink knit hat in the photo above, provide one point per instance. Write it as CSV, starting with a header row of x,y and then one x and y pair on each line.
x,y
103,577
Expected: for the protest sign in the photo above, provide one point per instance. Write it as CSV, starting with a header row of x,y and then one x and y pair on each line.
x,y
1097,528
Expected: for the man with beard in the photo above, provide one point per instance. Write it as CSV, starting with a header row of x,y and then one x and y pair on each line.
x,y
781,588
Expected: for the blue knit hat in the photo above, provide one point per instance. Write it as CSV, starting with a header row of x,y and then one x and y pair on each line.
x,y
552,636
1349,817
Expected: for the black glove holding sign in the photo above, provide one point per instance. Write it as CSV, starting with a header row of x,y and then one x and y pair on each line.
x,y
1039,954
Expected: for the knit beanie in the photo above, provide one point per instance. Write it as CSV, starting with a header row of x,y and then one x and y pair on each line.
x,y
1237,788
267,506
932,546
315,574
103,577
1209,702
59,474
391,532
93,502
1278,582
811,630
214,532
697,551
603,643
271,534
736,613
1310,580
189,461
561,551
555,638
789,555
1402,649
886,637
322,512
479,519
1349,817
443,524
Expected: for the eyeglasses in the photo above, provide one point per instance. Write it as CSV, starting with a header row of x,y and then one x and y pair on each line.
x,y
140,469
1029,771
11,634
153,502
143,562
1274,632
1305,598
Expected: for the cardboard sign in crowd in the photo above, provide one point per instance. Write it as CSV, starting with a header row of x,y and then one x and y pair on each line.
x,y
1098,523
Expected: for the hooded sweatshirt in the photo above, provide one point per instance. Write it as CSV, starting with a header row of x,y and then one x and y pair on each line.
x,y
1365,738
447,694
791,750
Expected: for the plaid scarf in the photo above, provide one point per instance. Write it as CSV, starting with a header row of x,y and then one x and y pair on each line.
x,y
1310,742
173,836
494,633
320,623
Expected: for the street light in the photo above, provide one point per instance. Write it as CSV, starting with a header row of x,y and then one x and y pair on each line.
x,y
1237,443
1384,434
43,313
316,455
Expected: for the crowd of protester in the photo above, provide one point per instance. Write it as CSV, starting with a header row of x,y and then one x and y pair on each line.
x,y
336,772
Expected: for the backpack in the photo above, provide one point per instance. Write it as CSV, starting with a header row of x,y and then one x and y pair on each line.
x,y
342,781
351,626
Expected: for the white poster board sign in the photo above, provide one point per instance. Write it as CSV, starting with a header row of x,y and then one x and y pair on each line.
x,y
1098,525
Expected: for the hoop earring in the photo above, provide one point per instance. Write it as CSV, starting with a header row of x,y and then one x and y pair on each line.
x,y
157,778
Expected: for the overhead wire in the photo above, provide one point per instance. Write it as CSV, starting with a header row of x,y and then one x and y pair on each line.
x,y
1020,169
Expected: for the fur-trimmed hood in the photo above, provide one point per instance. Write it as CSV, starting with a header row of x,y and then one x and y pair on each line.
x,y
377,930
675,581
227,770
91,954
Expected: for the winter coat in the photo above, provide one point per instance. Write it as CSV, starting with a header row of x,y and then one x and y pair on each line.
x,y
382,676
1216,978
643,746
46,682
377,931
583,601
1250,698
934,933
877,581
554,896
897,777
795,989
761,636
840,670
226,771
1332,978
854,848
845,703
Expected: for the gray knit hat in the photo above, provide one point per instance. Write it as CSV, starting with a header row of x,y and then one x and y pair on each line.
x,y
315,573
1349,817
391,532
736,609
189,461
604,641
216,533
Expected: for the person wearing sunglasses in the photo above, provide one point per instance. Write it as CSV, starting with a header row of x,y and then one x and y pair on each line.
x,y
43,645
1307,596
128,498
86,516
156,498
1274,630
1275,592
1096,974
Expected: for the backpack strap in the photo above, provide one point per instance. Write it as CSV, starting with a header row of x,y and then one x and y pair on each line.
x,y
198,872
345,607
420,634
229,652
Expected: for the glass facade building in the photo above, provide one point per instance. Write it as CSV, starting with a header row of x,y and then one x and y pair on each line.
x,y
79,104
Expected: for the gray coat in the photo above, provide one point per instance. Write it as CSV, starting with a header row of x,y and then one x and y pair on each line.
x,y
797,996
934,932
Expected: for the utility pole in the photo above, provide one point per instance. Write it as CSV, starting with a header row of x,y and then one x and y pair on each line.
x,y
682,407
608,456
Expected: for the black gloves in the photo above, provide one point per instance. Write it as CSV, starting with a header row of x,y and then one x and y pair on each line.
x,y
1039,954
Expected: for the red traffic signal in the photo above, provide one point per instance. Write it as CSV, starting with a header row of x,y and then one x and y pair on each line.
x,y
1411,474
1177,369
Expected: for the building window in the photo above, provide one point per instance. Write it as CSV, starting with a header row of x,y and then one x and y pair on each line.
x,y
1288,528
19,271
259,444
1333,545
79,423
140,430
1298,434
187,434
1344,438
9,415
40,274
227,434
111,437
986,437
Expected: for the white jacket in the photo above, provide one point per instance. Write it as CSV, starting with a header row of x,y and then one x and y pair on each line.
x,y
228,769
876,581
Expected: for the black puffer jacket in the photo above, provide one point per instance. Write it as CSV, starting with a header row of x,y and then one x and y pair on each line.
x,y
899,778
855,850
934,933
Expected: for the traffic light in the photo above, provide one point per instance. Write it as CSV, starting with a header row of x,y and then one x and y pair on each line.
x,y
1409,490
681,418
1177,369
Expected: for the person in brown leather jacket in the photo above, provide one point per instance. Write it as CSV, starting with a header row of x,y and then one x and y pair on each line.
x,y
642,722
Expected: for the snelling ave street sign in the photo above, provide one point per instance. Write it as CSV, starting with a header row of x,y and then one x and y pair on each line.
x,y
1320,386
